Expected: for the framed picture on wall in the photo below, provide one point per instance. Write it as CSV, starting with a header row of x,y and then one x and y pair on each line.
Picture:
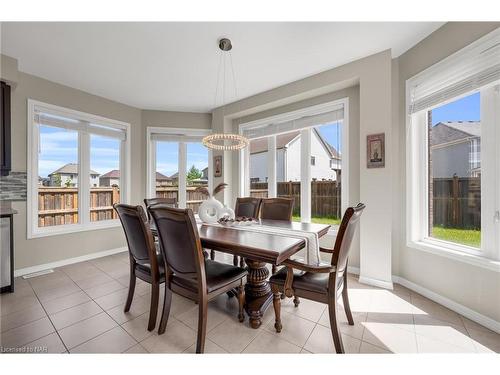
x,y
375,150
218,166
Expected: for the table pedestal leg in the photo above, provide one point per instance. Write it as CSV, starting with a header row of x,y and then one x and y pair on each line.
x,y
258,294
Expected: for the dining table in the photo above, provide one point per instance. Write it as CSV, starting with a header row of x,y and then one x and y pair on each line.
x,y
258,249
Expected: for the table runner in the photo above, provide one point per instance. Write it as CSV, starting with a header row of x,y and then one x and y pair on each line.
x,y
311,256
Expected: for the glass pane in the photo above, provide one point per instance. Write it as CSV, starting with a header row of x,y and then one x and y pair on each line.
x,y
167,170
258,168
326,151
455,172
288,158
57,177
196,174
104,177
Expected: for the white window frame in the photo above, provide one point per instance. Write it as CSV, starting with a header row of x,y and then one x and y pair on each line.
x,y
305,182
182,136
84,224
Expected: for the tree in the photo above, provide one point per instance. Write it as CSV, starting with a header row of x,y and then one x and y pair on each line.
x,y
57,180
193,174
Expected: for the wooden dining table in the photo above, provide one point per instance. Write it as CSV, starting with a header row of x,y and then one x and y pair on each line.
x,y
258,249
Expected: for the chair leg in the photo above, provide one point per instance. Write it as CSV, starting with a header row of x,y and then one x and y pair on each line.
x,y
202,326
212,254
153,310
235,260
167,302
296,301
273,269
131,289
345,298
277,308
241,303
242,262
337,337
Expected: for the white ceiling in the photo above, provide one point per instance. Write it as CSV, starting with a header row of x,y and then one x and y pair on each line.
x,y
173,66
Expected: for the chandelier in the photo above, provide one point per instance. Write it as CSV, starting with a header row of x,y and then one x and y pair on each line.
x,y
225,141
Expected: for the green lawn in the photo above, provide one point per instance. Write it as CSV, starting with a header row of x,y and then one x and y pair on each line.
x,y
469,237
320,219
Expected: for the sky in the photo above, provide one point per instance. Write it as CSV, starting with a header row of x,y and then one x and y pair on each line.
x,y
466,109
167,157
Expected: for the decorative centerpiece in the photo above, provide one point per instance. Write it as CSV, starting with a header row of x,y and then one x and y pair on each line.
x,y
211,209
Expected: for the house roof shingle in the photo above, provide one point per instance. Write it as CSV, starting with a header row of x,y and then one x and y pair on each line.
x,y
452,131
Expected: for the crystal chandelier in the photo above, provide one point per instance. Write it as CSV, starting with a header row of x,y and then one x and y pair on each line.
x,y
225,141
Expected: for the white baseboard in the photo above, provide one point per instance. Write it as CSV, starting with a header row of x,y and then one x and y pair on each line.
x,y
65,262
446,302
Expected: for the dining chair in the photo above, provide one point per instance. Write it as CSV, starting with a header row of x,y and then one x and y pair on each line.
x,y
247,207
188,273
167,201
276,209
145,263
322,283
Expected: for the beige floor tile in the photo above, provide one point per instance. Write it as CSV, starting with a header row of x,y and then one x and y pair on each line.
x,y
138,327
13,305
75,314
233,336
303,351
47,344
321,341
214,317
295,330
57,292
93,280
176,339
21,317
81,271
393,339
425,307
104,289
115,340
268,343
136,349
180,305
430,345
385,301
210,348
27,333
367,348
87,329
446,333
307,309
469,324
355,331
399,320
63,303
139,307
485,342
113,299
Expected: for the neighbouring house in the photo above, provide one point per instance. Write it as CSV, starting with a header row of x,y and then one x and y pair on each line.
x,y
456,149
111,178
67,175
162,180
325,159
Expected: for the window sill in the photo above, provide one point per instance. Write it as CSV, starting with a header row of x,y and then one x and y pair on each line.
x,y
476,260
73,228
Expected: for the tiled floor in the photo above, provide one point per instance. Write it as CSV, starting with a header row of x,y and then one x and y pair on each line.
x,y
79,309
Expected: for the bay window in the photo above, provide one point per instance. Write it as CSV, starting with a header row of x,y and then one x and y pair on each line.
x,y
298,155
63,146
453,163
178,164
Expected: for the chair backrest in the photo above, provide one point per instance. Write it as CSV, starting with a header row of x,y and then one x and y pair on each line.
x,y
140,240
348,226
172,202
248,207
276,209
179,241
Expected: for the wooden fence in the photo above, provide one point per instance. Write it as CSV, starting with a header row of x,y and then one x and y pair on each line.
x,y
193,198
59,205
325,196
456,202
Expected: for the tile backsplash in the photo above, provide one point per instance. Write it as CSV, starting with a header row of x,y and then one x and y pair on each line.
x,y
13,187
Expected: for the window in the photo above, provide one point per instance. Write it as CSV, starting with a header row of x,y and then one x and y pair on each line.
x,y
279,163
453,167
178,164
64,145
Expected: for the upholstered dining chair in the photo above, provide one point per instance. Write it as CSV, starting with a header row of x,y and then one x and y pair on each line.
x,y
145,263
248,207
276,209
322,283
172,202
188,273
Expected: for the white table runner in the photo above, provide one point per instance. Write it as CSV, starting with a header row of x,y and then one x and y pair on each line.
x,y
311,239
